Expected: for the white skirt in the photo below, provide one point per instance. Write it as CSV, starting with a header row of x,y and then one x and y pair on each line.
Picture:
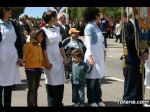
x,y
9,70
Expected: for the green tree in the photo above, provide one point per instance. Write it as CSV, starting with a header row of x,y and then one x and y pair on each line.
x,y
77,12
17,11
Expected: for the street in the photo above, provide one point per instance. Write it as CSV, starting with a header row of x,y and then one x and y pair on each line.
x,y
112,84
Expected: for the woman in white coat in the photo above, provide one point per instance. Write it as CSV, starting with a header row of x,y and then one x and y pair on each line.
x,y
55,59
95,52
10,52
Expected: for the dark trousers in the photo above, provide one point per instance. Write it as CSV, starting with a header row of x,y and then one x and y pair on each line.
x,y
105,39
132,84
68,69
33,78
5,96
109,34
78,93
94,92
55,95
118,37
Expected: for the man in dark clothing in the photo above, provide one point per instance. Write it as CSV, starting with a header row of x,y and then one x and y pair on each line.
x,y
64,29
103,27
80,26
132,75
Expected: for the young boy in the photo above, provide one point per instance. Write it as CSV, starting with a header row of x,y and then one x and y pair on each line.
x,y
79,70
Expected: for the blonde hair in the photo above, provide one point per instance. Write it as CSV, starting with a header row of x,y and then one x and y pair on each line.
x,y
35,33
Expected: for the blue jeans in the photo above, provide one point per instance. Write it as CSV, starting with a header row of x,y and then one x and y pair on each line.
x,y
78,93
55,95
94,92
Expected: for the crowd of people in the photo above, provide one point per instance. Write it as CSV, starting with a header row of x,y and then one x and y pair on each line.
x,y
53,47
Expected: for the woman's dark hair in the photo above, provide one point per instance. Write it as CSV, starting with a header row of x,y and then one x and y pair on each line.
x,y
48,15
90,14
2,11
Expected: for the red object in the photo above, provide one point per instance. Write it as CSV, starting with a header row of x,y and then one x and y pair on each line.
x,y
42,24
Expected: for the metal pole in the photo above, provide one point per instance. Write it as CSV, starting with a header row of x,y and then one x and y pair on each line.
x,y
67,15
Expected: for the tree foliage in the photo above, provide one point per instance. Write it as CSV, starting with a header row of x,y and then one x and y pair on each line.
x,y
17,11
113,12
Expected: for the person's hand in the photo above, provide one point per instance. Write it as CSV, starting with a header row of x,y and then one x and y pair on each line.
x,y
48,65
144,56
91,60
65,62
20,62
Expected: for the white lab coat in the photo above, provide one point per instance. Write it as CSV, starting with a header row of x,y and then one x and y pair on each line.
x,y
9,70
56,75
97,51
147,70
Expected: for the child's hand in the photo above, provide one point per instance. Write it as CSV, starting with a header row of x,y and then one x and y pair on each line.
x,y
65,62
48,65
144,56
20,62
91,60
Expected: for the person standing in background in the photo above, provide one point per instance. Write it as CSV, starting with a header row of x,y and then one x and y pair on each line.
x,y
118,31
64,28
103,25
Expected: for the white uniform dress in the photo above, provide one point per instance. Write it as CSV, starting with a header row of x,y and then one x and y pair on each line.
x,y
96,50
147,71
9,70
56,75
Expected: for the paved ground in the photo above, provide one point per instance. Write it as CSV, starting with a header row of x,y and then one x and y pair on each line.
x,y
112,85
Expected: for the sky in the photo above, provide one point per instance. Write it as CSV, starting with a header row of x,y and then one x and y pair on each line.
x,y
37,11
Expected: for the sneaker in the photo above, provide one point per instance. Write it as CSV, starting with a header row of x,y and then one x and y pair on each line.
x,y
101,104
146,105
81,105
93,105
75,105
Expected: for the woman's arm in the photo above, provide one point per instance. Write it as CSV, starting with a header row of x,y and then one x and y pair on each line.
x,y
47,65
63,53
88,38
